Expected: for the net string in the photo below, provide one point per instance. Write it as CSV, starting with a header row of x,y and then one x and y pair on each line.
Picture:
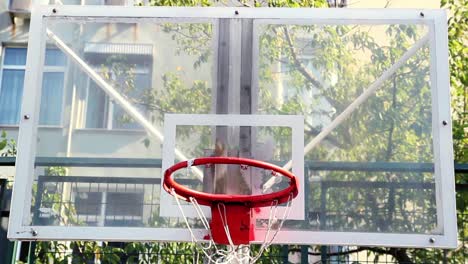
x,y
227,256
273,211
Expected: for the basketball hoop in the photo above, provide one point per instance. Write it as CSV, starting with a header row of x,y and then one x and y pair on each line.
x,y
232,216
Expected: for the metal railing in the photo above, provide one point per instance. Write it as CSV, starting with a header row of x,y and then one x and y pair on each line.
x,y
279,254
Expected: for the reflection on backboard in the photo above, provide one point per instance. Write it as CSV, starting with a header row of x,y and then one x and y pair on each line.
x,y
352,106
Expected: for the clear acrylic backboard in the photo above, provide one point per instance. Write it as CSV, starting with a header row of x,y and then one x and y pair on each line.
x,y
354,102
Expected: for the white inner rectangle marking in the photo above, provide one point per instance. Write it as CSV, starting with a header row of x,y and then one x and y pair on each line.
x,y
295,122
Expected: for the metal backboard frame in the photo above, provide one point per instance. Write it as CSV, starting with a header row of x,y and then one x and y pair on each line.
x,y
435,20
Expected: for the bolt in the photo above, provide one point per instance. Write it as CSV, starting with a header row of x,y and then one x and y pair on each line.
x,y
421,14
236,12
26,117
432,240
444,123
33,232
54,11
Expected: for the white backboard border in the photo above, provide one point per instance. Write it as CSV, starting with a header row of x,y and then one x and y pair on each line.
x,y
446,235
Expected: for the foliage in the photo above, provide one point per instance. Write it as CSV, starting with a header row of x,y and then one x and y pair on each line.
x,y
193,39
458,48
7,146
4,141
77,252
458,51
394,121
247,3
323,74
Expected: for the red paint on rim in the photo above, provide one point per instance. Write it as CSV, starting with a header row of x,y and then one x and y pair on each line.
x,y
252,201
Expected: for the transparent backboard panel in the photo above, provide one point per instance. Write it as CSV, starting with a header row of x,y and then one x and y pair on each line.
x,y
312,70
318,71
352,107
104,167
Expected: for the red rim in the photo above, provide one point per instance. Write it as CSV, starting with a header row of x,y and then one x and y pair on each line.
x,y
252,201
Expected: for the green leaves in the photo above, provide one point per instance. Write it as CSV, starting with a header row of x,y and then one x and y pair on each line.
x,y
193,39
177,97
3,142
458,39
181,3
7,146
393,125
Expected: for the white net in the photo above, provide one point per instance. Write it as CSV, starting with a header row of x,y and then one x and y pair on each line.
x,y
232,253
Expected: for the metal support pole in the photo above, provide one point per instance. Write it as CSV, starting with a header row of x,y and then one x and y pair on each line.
x,y
304,254
285,253
32,252
38,200
307,196
323,254
323,220
14,252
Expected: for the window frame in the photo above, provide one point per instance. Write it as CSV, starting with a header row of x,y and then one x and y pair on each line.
x,y
103,216
47,69
10,67
109,118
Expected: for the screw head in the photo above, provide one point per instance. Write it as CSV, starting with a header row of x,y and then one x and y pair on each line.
x,y
421,14
26,117
236,12
444,123
432,240
54,10
33,232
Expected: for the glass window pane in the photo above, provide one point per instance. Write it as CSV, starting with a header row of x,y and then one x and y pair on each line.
x,y
88,203
15,56
55,57
97,107
10,96
52,94
121,120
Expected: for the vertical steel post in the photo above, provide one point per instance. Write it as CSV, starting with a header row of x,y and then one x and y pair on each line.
x,y
304,254
285,253
32,252
323,216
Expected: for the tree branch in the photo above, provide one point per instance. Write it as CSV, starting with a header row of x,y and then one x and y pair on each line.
x,y
300,66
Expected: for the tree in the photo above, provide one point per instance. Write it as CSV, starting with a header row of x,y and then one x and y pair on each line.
x,y
331,77
7,146
374,132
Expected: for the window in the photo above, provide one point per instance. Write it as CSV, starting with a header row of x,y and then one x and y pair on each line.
x,y
12,80
11,89
53,82
103,112
127,67
109,208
